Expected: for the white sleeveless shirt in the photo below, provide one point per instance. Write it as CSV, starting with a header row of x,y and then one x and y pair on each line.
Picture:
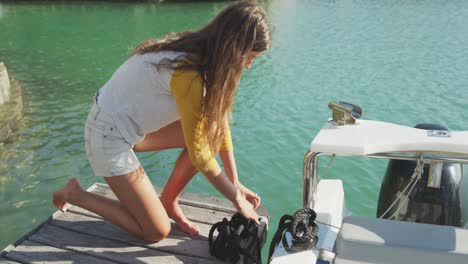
x,y
138,95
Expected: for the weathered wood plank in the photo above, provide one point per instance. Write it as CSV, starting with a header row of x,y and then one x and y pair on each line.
x,y
203,201
196,214
215,203
80,236
32,252
7,261
25,236
175,244
106,248
69,217
194,199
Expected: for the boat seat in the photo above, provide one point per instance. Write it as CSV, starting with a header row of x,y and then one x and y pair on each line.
x,y
347,261
370,240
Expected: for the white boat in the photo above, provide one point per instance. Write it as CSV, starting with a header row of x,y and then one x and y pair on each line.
x,y
420,216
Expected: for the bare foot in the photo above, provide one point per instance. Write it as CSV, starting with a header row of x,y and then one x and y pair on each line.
x,y
63,198
175,213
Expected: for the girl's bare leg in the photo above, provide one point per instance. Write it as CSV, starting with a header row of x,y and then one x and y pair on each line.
x,y
171,136
138,210
181,175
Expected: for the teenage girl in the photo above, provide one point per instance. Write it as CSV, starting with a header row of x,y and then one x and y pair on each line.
x,y
175,92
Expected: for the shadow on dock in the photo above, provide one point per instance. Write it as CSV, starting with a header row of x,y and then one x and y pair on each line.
x,y
80,236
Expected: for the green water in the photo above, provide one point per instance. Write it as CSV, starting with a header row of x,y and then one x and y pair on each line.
x,y
404,61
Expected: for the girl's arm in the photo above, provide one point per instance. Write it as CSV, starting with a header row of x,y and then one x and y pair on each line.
x,y
187,89
229,162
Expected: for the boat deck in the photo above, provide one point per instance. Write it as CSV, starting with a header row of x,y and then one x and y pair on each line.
x,y
80,236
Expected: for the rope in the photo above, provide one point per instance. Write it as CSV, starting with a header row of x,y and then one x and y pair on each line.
x,y
407,196
303,230
418,171
235,240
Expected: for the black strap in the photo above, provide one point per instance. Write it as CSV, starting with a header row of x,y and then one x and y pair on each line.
x,y
235,239
284,223
219,247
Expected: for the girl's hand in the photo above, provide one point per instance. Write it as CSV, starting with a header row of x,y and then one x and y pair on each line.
x,y
252,197
245,208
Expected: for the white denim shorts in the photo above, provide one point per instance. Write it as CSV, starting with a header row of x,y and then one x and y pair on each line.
x,y
108,152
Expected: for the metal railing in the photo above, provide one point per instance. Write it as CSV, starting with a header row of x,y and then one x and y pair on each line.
x,y
310,168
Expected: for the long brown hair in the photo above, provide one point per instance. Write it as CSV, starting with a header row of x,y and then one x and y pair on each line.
x,y
219,50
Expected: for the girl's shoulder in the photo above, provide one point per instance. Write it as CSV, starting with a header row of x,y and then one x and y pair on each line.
x,y
161,56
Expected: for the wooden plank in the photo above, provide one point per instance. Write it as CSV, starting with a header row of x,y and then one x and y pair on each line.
x,y
183,245
65,219
197,207
196,214
11,247
7,261
84,237
32,252
25,236
94,187
106,248
204,201
215,203
194,199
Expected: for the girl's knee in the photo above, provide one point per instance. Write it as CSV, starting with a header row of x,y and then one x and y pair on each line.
x,y
158,232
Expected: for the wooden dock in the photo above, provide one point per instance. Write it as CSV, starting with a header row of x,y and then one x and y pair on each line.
x,y
80,236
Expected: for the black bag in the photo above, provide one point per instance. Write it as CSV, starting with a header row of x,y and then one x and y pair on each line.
x,y
238,240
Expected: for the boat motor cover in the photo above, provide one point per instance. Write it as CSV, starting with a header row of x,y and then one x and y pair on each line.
x,y
425,204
